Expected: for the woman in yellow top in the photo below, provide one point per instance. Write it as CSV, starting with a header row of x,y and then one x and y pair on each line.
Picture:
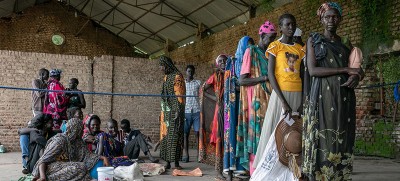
x,y
284,61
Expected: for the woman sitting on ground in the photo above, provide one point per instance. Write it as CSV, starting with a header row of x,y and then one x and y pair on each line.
x,y
91,133
108,145
65,157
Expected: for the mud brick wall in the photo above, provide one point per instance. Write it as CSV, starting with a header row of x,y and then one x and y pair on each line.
x,y
32,29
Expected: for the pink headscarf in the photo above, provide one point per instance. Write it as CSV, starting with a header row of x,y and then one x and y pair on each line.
x,y
267,27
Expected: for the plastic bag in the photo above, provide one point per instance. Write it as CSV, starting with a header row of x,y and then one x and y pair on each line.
x,y
129,173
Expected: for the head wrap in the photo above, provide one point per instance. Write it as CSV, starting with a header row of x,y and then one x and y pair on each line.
x,y
168,64
267,27
216,60
74,129
326,6
37,121
55,72
241,48
297,32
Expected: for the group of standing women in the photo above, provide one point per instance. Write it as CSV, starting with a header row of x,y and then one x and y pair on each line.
x,y
258,87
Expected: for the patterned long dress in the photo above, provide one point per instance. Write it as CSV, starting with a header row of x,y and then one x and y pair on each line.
x,y
172,132
211,131
231,109
56,103
66,155
253,105
329,117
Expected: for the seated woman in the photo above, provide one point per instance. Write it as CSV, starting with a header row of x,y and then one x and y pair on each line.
x,y
65,157
107,144
91,133
74,112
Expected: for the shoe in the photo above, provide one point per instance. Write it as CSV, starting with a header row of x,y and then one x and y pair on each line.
x,y
25,171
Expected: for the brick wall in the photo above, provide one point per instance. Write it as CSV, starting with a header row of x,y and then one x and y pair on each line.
x,y
32,30
19,69
101,74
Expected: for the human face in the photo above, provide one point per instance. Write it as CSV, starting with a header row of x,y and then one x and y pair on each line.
x,y
95,125
331,20
125,128
45,75
288,27
189,72
221,61
72,84
250,41
48,126
78,114
112,129
267,38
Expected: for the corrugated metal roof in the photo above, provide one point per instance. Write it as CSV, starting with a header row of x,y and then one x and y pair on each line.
x,y
147,24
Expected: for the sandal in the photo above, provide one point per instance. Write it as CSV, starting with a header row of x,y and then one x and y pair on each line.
x,y
219,178
178,168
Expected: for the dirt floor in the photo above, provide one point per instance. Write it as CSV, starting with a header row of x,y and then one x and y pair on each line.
x,y
365,169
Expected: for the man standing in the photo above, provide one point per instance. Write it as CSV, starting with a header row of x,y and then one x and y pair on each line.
x,y
192,110
38,96
37,108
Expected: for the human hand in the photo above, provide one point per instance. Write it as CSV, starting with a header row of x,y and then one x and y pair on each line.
x,y
355,71
300,109
264,78
39,179
106,162
90,138
352,82
287,110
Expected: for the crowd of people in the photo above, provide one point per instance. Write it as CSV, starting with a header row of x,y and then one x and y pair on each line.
x,y
60,144
277,110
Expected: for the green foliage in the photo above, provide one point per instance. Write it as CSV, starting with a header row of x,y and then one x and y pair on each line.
x,y
391,74
375,16
390,69
380,143
266,5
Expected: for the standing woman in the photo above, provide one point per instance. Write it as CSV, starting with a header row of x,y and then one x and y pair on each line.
x,y
55,103
173,113
212,135
330,111
284,62
254,95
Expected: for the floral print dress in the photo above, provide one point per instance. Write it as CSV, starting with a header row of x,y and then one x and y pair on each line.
x,y
329,117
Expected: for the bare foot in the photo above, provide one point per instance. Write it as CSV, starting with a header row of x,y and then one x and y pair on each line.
x,y
220,177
